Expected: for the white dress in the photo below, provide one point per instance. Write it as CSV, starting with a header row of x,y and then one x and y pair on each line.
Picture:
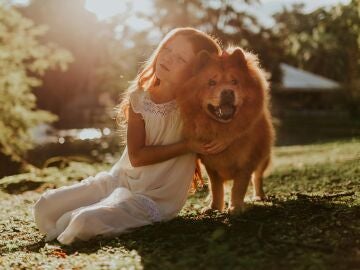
x,y
126,197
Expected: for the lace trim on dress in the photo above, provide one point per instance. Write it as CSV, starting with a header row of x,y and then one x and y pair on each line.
x,y
161,109
151,207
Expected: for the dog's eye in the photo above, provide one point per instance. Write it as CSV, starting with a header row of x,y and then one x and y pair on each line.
x,y
212,82
234,82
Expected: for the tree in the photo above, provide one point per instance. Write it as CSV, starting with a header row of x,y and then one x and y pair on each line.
x,y
72,95
325,41
22,60
224,19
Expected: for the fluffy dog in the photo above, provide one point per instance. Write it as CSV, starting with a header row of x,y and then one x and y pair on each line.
x,y
227,98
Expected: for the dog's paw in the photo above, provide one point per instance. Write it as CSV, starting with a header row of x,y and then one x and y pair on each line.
x,y
208,210
236,210
258,198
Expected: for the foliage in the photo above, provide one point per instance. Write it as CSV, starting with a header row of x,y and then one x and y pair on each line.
x,y
71,95
22,60
225,20
120,60
311,221
127,47
115,48
322,41
325,41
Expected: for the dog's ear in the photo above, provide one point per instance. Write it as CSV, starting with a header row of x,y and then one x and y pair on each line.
x,y
238,57
201,59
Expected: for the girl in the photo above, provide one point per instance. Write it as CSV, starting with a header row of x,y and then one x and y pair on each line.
x,y
151,180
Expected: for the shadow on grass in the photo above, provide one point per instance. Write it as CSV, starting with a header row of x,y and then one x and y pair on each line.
x,y
290,231
296,233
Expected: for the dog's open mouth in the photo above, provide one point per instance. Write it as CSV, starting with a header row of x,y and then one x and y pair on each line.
x,y
224,112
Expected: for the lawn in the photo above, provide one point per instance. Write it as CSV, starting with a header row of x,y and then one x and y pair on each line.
x,y
310,221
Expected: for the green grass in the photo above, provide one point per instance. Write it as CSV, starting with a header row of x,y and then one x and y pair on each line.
x,y
311,221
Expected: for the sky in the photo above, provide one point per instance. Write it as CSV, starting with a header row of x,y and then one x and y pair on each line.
x,y
107,8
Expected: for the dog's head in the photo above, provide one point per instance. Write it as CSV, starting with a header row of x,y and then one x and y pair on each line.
x,y
227,87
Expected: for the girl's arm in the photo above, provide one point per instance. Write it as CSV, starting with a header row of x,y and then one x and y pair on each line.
x,y
141,155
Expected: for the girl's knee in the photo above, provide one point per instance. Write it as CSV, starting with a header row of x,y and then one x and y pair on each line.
x,y
104,182
43,203
39,205
40,215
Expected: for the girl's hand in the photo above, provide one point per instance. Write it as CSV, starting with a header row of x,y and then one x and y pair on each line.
x,y
196,147
211,148
216,146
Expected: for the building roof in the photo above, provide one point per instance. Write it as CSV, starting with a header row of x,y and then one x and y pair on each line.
x,y
297,79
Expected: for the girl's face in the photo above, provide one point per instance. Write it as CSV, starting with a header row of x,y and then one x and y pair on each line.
x,y
172,64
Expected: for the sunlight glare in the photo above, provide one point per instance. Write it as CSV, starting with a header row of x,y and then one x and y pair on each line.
x,y
89,134
105,8
106,131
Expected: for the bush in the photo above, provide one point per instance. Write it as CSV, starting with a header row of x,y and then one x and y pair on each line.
x,y
23,60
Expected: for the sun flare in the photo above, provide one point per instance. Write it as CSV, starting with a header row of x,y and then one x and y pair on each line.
x,y
104,9
107,8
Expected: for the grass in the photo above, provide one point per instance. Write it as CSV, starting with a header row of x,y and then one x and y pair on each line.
x,y
311,221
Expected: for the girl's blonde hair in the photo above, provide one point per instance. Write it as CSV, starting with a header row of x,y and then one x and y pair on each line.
x,y
146,78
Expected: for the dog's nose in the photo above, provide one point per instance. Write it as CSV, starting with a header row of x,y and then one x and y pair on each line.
x,y
227,96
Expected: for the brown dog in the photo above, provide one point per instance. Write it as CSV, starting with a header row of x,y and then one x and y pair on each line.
x,y
227,99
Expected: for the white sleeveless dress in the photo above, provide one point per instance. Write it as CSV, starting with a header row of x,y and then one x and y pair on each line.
x,y
126,197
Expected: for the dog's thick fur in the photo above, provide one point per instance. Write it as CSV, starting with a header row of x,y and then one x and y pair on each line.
x,y
227,99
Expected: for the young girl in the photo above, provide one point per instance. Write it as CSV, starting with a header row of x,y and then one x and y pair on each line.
x,y
151,180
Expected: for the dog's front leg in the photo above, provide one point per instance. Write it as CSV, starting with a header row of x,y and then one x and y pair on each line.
x,y
238,192
217,191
